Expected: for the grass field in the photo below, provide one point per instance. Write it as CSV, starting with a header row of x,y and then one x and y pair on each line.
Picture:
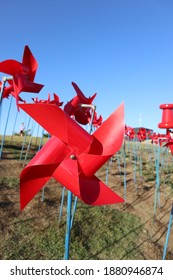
x,y
132,230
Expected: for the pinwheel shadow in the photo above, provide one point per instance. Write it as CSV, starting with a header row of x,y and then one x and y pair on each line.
x,y
6,204
11,152
124,238
86,192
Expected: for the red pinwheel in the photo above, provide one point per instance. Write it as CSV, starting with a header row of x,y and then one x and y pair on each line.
x,y
6,91
97,121
74,108
169,140
55,101
72,155
130,132
169,144
154,138
9,90
23,73
141,134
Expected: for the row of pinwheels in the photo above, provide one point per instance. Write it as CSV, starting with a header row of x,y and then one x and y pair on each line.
x,y
72,155
156,138
140,135
22,80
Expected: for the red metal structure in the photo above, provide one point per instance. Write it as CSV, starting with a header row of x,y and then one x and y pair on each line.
x,y
167,116
167,123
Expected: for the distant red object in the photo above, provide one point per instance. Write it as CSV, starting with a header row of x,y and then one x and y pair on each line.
x,y
55,101
167,123
142,134
72,155
167,116
74,108
169,144
23,73
129,132
138,133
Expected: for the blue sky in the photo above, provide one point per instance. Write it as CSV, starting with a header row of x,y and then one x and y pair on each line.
x,y
123,50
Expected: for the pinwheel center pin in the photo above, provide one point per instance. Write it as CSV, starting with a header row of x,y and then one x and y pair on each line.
x,y
73,157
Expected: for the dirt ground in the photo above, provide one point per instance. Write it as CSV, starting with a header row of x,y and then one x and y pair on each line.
x,y
139,201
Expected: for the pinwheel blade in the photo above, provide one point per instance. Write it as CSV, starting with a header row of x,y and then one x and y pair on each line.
x,y
74,108
56,122
169,144
94,192
111,132
83,98
32,179
30,61
10,67
22,84
39,170
108,139
89,189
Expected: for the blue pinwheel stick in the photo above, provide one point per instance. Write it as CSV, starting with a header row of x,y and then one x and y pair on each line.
x,y
168,234
4,79
3,137
70,213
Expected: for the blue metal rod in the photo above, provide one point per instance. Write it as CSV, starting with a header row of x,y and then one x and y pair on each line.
x,y
62,202
2,89
168,234
135,160
4,79
136,187
90,131
157,196
24,141
0,114
140,158
42,195
37,134
14,126
30,140
68,225
119,167
125,183
2,142
40,145
41,139
107,172
74,210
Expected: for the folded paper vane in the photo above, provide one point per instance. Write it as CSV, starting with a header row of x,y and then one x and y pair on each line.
x,y
72,155
23,73
73,107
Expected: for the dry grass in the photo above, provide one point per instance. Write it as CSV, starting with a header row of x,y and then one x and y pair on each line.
x,y
124,231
